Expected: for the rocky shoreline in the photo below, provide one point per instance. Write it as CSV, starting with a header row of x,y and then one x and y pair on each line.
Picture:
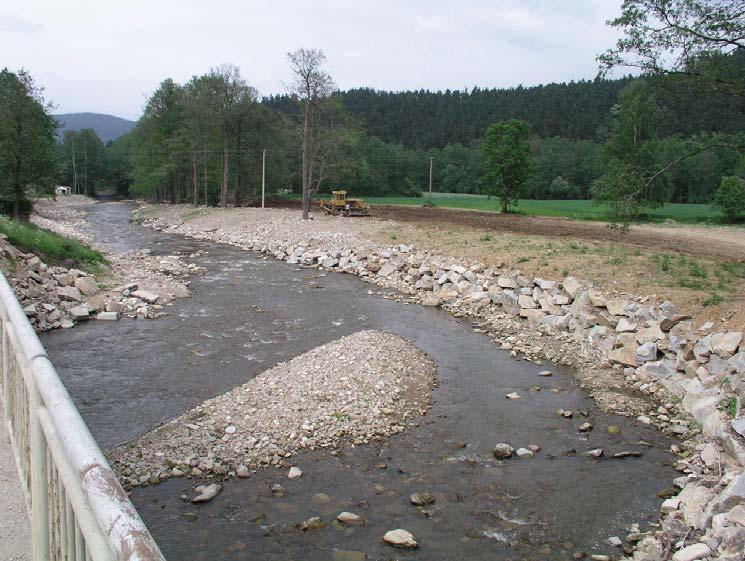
x,y
637,357
133,284
358,389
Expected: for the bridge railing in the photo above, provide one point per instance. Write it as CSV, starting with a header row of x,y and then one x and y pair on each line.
x,y
78,509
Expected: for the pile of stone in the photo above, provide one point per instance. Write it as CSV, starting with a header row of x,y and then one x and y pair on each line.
x,y
56,297
691,379
357,389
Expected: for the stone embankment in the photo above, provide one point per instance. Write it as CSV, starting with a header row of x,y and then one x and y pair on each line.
x,y
134,284
636,356
357,389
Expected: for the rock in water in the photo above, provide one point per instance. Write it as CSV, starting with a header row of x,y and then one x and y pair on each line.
x,y
400,538
513,395
80,313
314,523
108,316
295,473
421,499
503,450
350,518
206,492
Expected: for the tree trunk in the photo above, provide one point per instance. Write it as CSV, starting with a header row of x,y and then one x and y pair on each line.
x,y
74,169
85,167
224,189
206,203
306,163
194,178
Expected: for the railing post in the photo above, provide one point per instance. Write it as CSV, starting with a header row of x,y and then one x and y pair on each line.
x,y
6,367
39,479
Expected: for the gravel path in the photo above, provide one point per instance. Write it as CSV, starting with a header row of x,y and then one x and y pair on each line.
x,y
15,532
359,388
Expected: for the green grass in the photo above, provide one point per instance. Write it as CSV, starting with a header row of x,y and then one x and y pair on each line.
x,y
50,247
579,209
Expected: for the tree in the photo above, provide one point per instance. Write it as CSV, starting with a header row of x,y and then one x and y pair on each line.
x,y
702,40
730,198
230,98
631,182
506,154
311,85
28,156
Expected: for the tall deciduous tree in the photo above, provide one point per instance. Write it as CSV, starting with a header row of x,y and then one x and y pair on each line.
x,y
311,85
27,145
506,154
231,99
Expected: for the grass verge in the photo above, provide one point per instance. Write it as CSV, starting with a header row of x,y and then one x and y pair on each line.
x,y
50,247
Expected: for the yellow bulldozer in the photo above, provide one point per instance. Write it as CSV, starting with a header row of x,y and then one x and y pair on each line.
x,y
340,204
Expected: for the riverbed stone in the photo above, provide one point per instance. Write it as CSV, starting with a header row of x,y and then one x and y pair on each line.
x,y
692,552
295,473
206,493
421,499
80,313
108,316
146,296
401,538
503,450
350,518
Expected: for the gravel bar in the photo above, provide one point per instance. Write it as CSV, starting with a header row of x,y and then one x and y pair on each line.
x,y
357,389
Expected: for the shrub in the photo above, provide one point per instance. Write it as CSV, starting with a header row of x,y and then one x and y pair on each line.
x,y
730,198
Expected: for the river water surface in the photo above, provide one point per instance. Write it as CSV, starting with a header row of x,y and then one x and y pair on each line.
x,y
248,313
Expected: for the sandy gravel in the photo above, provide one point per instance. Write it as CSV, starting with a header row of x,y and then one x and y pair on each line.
x,y
359,388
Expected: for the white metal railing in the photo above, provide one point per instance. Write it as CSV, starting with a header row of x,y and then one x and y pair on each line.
x,y
78,510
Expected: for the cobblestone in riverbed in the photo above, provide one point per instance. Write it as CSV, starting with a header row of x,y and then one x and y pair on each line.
x,y
357,389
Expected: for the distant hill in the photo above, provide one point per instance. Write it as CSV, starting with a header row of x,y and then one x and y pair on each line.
x,y
107,127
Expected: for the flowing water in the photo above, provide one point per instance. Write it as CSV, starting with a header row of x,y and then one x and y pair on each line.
x,y
248,313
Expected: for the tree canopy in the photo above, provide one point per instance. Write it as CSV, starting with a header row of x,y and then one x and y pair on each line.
x,y
27,142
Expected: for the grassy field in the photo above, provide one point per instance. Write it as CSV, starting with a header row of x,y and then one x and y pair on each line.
x,y
50,247
582,210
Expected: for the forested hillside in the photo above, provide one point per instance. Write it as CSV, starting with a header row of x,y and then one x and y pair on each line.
x,y
107,127
574,110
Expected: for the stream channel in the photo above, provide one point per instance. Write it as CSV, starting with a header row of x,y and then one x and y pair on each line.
x,y
248,313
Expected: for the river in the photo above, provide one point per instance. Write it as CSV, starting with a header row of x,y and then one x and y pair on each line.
x,y
246,314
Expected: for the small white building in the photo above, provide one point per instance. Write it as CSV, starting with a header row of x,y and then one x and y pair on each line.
x,y
61,190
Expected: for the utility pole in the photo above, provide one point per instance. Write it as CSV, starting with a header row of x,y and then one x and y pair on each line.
x,y
431,159
263,176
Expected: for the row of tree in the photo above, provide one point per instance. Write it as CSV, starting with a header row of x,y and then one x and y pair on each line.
x,y
204,141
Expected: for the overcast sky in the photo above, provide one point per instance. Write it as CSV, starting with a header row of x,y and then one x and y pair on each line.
x,y
107,57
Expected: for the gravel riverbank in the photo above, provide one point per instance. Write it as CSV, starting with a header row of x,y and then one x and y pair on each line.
x,y
357,389
637,357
